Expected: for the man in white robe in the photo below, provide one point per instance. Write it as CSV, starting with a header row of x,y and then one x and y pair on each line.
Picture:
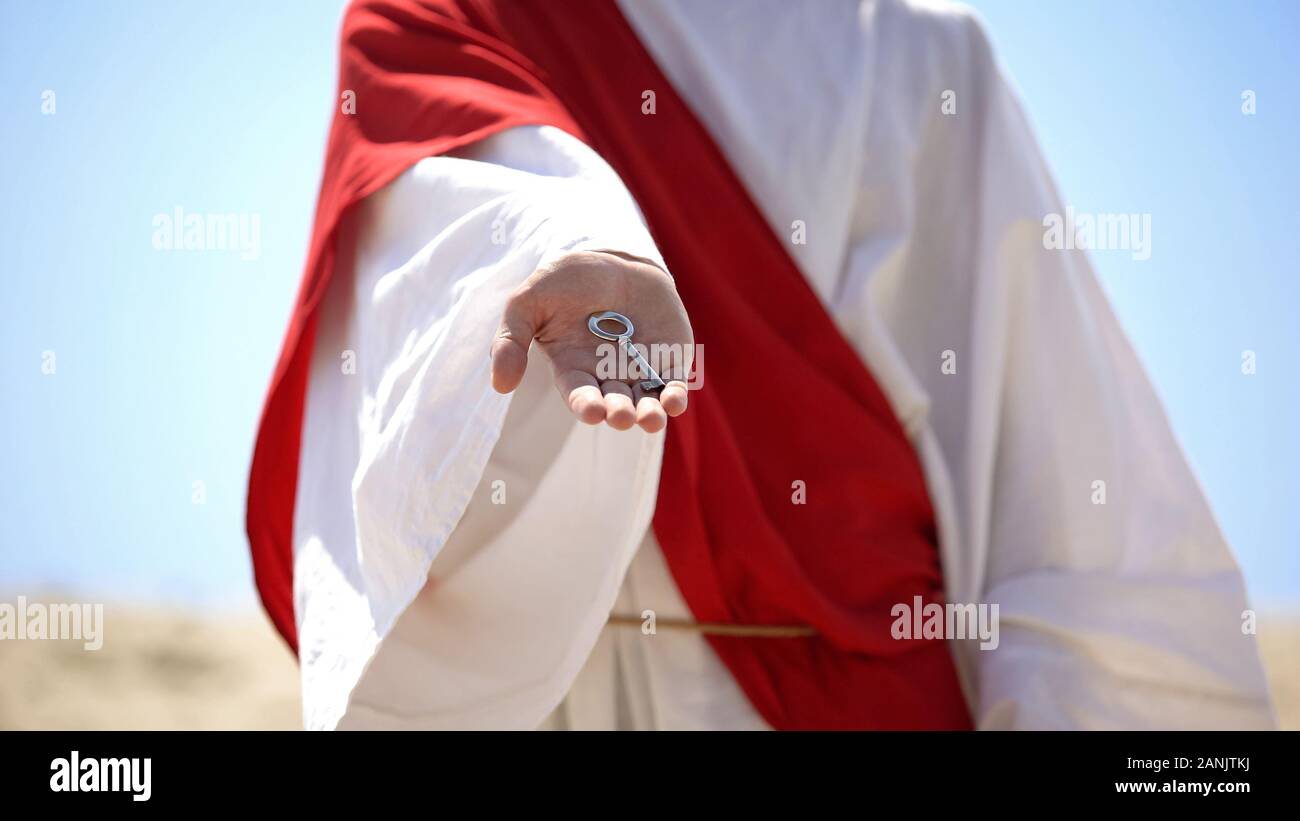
x,y
458,552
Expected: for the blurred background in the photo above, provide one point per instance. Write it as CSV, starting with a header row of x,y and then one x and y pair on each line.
x,y
133,376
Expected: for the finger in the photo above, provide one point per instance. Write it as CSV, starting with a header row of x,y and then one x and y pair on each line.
x,y
674,398
510,345
583,396
620,413
675,395
650,414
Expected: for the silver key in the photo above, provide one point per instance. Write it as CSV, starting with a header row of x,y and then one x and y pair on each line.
x,y
624,338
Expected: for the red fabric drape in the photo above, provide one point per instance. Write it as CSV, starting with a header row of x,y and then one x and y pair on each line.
x,y
787,408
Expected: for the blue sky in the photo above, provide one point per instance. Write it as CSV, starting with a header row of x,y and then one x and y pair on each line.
x,y
161,357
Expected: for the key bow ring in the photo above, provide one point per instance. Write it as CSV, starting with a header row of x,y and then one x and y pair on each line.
x,y
624,339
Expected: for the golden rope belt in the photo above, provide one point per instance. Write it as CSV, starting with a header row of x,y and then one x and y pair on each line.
x,y
764,631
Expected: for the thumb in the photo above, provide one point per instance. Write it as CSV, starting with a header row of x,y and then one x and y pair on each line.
x,y
510,345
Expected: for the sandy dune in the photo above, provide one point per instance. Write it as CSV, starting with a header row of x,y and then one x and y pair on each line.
x,y
1279,644
161,670
157,670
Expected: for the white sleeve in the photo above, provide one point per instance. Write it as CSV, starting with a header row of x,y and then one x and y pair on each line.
x,y
1121,604
414,469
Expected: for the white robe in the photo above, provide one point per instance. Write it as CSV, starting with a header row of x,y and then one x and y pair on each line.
x,y
924,238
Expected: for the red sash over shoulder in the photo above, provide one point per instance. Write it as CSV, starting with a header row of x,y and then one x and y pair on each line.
x,y
432,76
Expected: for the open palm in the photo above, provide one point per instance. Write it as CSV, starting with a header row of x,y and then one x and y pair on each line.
x,y
552,307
